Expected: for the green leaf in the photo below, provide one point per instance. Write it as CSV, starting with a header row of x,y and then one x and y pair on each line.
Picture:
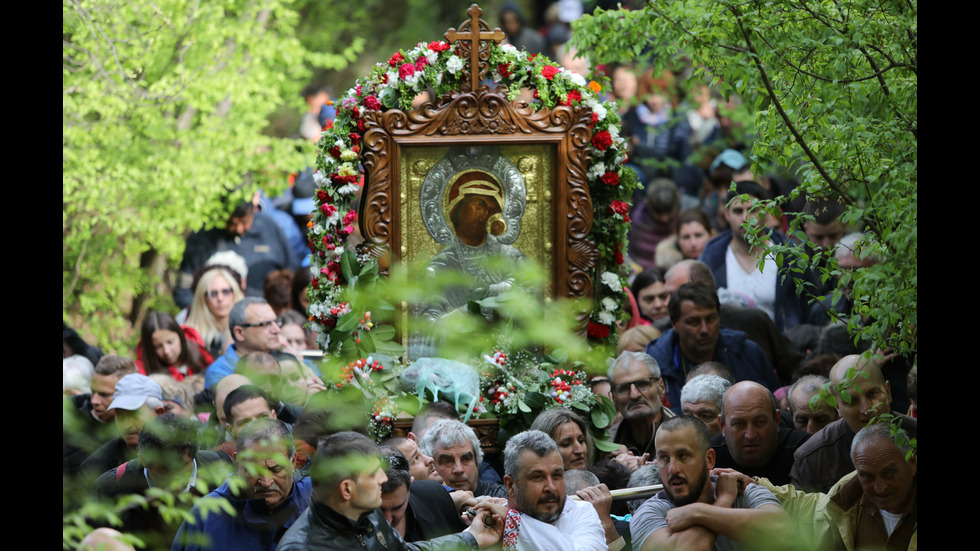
x,y
347,322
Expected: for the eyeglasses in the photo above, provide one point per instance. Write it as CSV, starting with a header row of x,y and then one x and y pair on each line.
x,y
641,385
396,462
220,292
262,324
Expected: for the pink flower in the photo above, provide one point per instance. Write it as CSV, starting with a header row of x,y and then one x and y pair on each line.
x,y
421,62
406,70
350,217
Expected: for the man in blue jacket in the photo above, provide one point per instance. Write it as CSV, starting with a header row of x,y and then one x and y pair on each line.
x,y
697,337
734,263
263,494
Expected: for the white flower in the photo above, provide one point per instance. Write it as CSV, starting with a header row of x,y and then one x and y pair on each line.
x,y
348,189
431,56
606,318
339,143
509,48
609,303
454,64
392,79
413,79
319,178
577,79
612,280
597,170
439,78
614,132
599,111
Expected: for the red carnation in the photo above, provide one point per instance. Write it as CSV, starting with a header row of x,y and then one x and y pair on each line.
x,y
574,95
504,69
357,89
329,125
437,46
620,207
327,209
619,257
384,78
395,59
334,152
321,194
549,71
354,137
350,217
597,330
360,125
602,140
372,102
421,62
355,112
406,70
315,283
610,178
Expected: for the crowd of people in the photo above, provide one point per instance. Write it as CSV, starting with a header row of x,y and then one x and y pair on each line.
x,y
745,413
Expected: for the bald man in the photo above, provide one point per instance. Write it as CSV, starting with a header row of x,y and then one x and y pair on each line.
x,y
825,458
751,440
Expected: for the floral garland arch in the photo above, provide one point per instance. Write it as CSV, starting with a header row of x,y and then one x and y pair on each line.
x,y
440,65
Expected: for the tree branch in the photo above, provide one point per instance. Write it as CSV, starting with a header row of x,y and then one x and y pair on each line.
x,y
782,112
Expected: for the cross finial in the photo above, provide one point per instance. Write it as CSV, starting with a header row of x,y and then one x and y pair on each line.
x,y
469,36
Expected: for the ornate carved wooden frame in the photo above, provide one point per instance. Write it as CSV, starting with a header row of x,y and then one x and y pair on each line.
x,y
479,118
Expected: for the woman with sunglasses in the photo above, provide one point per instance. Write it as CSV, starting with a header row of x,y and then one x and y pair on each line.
x,y
217,290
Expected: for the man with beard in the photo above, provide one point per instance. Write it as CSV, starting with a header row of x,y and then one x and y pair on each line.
x,y
537,515
696,511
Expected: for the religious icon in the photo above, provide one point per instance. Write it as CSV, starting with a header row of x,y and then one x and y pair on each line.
x,y
472,201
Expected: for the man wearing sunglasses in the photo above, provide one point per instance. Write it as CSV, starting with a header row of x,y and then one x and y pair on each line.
x,y
637,387
254,328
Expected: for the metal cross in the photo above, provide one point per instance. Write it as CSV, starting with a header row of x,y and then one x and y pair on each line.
x,y
474,36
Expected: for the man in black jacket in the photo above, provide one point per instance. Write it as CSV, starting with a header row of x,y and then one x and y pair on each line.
x,y
417,509
345,511
168,459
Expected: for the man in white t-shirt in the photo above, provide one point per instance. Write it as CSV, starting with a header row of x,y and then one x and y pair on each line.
x,y
696,511
735,262
537,516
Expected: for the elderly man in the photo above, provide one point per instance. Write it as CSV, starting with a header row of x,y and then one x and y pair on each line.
x,y
417,509
456,452
637,387
697,336
702,397
538,515
825,458
751,440
254,328
265,498
873,507
806,417
137,400
345,513
695,511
